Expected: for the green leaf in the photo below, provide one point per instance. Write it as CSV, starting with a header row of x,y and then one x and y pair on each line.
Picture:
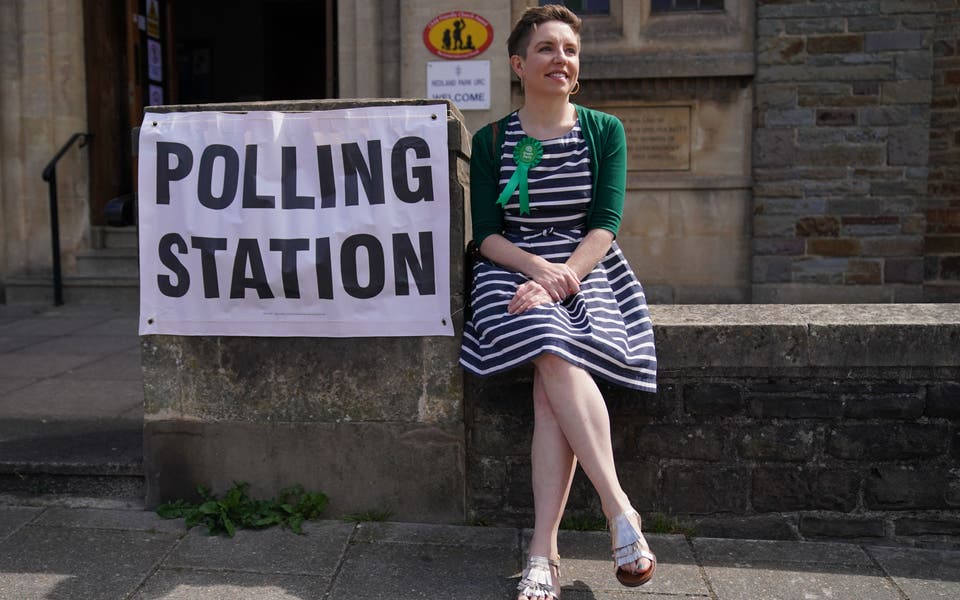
x,y
229,526
295,523
236,510
210,507
172,510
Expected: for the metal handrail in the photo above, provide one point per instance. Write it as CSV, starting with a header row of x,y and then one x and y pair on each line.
x,y
50,176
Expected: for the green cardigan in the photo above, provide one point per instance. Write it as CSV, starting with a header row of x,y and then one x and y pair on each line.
x,y
608,165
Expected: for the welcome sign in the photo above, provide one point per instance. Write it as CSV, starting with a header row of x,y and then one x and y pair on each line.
x,y
327,223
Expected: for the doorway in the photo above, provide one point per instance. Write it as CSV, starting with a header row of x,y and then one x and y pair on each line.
x,y
139,52
252,50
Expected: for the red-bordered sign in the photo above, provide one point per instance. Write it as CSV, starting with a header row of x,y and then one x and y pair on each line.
x,y
458,34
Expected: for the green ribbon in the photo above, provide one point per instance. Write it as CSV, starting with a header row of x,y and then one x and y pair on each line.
x,y
527,155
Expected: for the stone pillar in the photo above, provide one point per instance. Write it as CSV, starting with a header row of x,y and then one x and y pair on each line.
x,y
42,103
375,423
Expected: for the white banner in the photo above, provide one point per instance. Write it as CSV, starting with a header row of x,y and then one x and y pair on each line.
x,y
328,223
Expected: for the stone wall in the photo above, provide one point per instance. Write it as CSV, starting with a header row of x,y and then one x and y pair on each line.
x,y
376,423
942,241
842,136
770,421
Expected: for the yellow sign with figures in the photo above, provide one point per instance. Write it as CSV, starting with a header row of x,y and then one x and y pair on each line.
x,y
458,34
153,18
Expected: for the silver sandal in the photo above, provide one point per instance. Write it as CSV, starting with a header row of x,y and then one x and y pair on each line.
x,y
537,581
627,550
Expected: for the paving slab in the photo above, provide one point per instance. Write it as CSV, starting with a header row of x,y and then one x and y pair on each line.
x,y
123,325
122,365
45,310
90,345
21,343
585,565
771,570
9,384
15,517
274,550
726,551
622,594
425,571
54,562
37,365
86,400
921,574
782,582
502,538
98,518
185,584
45,325
19,311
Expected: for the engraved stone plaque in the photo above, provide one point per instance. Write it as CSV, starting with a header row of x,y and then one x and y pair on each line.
x,y
658,137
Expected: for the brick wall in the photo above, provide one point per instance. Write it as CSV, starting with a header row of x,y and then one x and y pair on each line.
x,y
942,242
841,146
770,422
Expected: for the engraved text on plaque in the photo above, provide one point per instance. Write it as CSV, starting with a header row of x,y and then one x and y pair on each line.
x,y
658,137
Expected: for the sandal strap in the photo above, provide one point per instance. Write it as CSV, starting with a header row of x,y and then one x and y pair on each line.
x,y
555,564
536,581
626,540
631,554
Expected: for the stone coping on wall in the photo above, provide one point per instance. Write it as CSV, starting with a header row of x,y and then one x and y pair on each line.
x,y
807,335
458,137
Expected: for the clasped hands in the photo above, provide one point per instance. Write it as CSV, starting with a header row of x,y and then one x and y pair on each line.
x,y
551,282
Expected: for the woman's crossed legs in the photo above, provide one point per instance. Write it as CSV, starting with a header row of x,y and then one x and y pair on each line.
x,y
571,424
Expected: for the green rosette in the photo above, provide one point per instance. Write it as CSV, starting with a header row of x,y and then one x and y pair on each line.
x,y
527,155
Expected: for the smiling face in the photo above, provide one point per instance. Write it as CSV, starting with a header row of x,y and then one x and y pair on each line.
x,y
552,62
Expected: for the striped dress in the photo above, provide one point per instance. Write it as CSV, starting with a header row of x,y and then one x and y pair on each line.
x,y
605,327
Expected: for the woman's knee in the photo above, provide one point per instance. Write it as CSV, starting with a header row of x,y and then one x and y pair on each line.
x,y
551,364
541,401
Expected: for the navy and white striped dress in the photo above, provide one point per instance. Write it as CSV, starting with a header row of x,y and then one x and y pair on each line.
x,y
605,327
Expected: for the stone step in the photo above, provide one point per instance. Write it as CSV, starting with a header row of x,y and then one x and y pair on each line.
x,y
91,460
108,262
108,273
25,483
77,289
114,237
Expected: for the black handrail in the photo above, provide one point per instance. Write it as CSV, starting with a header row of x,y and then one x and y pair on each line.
x,y
50,176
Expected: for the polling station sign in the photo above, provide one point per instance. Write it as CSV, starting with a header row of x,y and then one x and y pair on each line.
x,y
325,223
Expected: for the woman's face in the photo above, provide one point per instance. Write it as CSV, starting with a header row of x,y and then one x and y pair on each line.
x,y
552,64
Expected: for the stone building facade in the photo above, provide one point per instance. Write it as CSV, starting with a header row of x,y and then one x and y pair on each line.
x,y
855,160
942,236
780,150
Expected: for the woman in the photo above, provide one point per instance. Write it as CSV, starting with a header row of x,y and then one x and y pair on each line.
x,y
547,185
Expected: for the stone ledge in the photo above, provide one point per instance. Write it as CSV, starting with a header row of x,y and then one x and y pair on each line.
x,y
777,335
458,136
647,65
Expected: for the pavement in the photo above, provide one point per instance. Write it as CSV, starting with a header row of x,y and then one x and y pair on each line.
x,y
71,397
